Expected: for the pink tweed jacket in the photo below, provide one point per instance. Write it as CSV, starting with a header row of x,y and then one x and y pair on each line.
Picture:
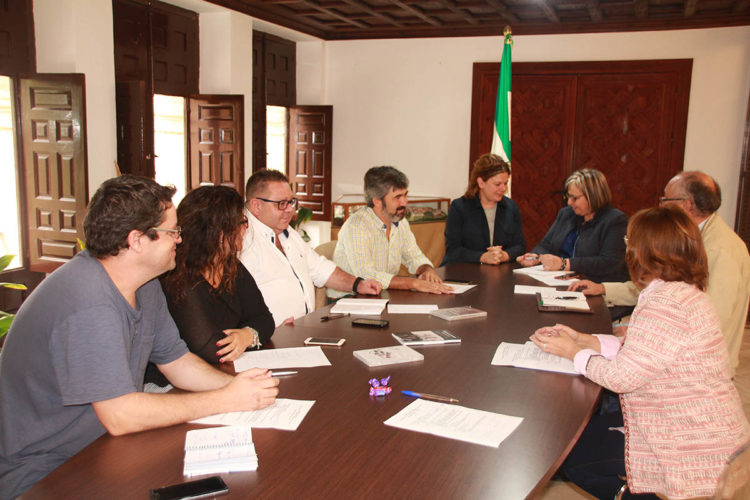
x,y
683,416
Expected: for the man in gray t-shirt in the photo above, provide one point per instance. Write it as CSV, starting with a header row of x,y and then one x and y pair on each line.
x,y
73,363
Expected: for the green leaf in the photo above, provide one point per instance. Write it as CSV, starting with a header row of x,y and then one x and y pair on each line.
x,y
5,260
81,243
14,286
5,322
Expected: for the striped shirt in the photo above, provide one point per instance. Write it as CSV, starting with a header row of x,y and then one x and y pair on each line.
x,y
683,416
363,249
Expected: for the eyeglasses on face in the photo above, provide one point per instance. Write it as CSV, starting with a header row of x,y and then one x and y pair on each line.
x,y
174,233
664,199
282,204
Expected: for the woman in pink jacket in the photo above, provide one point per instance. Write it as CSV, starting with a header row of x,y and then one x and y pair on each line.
x,y
682,415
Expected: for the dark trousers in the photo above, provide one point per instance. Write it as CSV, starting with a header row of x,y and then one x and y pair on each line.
x,y
597,461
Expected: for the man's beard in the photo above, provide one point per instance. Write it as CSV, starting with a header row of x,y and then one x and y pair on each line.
x,y
400,213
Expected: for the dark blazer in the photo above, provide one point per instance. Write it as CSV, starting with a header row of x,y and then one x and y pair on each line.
x,y
600,249
467,235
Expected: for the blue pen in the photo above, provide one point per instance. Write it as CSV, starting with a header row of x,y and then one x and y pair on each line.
x,y
431,397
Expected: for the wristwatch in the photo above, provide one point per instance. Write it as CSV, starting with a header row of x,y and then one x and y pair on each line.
x,y
356,284
563,264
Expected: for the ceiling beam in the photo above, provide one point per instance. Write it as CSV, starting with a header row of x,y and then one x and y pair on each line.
x,y
451,6
418,13
503,10
333,13
594,10
366,8
641,9
548,11
690,6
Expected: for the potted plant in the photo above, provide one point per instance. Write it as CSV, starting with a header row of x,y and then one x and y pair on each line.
x,y
7,318
303,215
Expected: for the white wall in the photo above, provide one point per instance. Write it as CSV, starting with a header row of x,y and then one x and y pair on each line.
x,y
408,102
75,36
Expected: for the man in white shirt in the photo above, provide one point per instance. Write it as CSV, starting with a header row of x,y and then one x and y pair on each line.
x,y
287,269
728,260
376,240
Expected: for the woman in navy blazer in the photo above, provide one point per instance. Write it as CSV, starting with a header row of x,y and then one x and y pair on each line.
x,y
469,237
587,235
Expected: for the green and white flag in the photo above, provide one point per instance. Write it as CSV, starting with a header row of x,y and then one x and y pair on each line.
x,y
501,130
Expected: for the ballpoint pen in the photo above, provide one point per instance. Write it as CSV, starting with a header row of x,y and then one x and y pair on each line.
x,y
281,373
430,397
565,298
333,316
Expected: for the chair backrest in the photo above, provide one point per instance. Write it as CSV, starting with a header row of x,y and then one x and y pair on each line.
x,y
734,483
327,249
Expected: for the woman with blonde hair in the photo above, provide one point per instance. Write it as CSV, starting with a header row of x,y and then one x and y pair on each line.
x,y
586,236
484,225
681,412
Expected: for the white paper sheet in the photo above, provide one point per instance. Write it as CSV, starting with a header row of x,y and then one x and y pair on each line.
x,y
531,290
455,422
576,300
459,288
551,278
289,357
528,355
411,308
359,306
284,414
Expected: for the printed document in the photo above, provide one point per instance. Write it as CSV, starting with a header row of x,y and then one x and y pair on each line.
x,y
528,355
459,287
532,290
551,278
289,357
455,422
284,414
411,308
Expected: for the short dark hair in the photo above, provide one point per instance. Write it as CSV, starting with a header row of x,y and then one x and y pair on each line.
x,y
593,185
665,243
380,180
257,182
210,218
488,165
121,205
703,190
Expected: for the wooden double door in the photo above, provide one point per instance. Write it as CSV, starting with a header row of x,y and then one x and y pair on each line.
x,y
626,119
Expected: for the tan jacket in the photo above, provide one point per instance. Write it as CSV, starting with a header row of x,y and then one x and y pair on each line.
x,y
728,283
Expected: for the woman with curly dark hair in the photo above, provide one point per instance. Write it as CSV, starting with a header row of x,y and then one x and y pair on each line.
x,y
212,297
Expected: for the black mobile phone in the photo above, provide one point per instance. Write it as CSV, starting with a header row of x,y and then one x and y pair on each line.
x,y
200,488
370,323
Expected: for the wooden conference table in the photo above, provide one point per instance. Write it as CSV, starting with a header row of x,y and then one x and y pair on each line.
x,y
342,449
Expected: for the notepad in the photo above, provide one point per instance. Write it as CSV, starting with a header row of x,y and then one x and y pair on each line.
x,y
456,313
426,337
219,449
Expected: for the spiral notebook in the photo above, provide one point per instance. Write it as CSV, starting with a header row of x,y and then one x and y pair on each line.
x,y
219,449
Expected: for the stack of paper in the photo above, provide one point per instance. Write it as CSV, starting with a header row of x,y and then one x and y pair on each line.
x,y
528,355
567,301
219,449
455,422
359,306
284,414
289,357
551,278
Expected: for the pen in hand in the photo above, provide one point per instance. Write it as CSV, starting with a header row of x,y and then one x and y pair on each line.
x,y
430,397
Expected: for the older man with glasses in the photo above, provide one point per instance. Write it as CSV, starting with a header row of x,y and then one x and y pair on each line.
x,y
285,268
728,260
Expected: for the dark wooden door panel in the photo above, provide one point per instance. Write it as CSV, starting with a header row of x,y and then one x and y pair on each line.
x,y
625,118
131,37
53,115
259,103
216,131
310,152
174,42
135,128
17,46
541,123
624,127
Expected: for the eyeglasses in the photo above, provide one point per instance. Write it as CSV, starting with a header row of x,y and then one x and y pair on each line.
x,y
664,199
282,204
174,233
244,222
625,239
572,197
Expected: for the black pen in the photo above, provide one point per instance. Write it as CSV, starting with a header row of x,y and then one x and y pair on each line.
x,y
565,298
333,316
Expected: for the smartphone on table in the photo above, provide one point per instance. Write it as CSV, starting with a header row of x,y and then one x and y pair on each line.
x,y
200,488
324,341
370,322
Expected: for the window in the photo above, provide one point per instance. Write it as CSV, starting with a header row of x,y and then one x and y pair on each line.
x,y
276,138
10,235
169,142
